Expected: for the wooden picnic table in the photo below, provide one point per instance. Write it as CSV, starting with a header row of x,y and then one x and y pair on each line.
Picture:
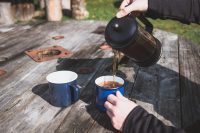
x,y
170,89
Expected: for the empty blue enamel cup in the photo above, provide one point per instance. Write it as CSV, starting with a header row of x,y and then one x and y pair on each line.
x,y
103,92
63,88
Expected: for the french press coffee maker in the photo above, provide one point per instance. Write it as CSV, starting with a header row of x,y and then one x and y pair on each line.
x,y
129,37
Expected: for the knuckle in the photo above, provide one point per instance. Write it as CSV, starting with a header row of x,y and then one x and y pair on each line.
x,y
115,102
110,96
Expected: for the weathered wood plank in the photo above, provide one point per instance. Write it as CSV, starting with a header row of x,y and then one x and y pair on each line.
x,y
189,58
39,106
25,70
26,40
157,87
15,29
24,107
40,126
18,66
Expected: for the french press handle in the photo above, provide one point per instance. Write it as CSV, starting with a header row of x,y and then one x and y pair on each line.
x,y
147,23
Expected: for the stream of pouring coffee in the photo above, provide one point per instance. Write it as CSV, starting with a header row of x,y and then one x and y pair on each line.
x,y
115,63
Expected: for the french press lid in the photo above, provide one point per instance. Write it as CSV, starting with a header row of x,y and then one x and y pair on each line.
x,y
120,32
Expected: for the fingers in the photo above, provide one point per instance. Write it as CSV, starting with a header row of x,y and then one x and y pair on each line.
x,y
129,6
108,106
118,94
112,99
121,13
125,11
124,4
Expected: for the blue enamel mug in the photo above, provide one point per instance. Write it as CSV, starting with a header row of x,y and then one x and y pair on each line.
x,y
63,88
102,92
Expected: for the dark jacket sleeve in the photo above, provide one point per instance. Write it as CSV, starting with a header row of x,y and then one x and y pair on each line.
x,y
186,11
140,121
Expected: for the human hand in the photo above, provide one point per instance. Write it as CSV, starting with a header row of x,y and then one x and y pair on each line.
x,y
129,6
118,107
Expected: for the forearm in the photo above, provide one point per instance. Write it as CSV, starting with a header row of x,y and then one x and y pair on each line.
x,y
185,11
140,121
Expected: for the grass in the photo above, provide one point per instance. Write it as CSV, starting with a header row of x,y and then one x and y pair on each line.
x,y
101,9
105,10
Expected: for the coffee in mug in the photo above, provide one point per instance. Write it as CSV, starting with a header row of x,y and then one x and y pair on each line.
x,y
105,85
110,84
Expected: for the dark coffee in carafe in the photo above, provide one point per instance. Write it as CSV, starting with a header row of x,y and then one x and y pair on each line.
x,y
127,36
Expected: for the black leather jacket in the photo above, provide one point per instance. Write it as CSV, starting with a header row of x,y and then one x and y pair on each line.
x,y
185,11
140,121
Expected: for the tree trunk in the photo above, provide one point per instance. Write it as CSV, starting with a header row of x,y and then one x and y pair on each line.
x,y
42,4
79,9
54,10
6,15
24,10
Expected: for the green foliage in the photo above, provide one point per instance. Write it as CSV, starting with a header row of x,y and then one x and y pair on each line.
x,y
191,32
101,9
105,10
65,18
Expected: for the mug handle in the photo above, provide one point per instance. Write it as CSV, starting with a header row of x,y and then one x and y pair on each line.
x,y
75,93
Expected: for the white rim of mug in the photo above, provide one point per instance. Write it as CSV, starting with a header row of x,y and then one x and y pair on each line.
x,y
109,78
67,77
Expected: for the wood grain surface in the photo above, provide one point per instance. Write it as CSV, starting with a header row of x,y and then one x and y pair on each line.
x,y
168,89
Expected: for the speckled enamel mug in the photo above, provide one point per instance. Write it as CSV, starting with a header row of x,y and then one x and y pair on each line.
x,y
103,92
63,88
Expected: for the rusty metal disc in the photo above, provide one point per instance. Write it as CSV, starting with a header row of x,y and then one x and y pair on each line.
x,y
50,53
2,72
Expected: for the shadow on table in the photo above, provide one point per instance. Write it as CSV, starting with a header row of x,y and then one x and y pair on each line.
x,y
164,81
42,90
100,117
154,85
88,90
144,91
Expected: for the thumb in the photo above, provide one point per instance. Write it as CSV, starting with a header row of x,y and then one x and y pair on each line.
x,y
118,94
122,13
126,10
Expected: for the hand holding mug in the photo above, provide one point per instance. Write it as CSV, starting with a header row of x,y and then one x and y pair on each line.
x,y
118,107
106,85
